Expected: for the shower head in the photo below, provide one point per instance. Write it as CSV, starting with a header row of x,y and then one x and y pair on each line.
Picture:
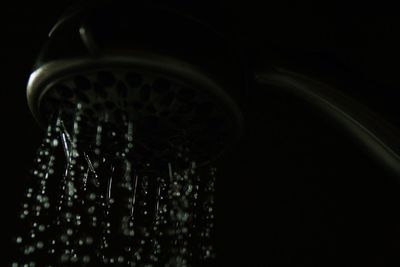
x,y
175,81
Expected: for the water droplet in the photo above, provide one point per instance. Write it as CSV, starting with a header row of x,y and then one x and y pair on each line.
x,y
89,240
86,259
54,143
40,245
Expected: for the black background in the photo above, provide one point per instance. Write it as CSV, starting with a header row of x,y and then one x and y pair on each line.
x,y
296,191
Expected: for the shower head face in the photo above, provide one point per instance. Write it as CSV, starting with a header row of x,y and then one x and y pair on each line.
x,y
171,105
174,77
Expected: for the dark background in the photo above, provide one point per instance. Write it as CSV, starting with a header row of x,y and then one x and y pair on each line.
x,y
297,191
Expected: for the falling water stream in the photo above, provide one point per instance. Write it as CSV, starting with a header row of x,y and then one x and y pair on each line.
x,y
90,203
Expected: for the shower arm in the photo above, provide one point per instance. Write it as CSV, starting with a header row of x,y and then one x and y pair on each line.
x,y
373,133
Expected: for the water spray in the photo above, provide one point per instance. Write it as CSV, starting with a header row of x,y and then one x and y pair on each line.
x,y
134,119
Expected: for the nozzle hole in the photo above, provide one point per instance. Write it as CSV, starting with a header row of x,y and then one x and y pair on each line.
x,y
106,78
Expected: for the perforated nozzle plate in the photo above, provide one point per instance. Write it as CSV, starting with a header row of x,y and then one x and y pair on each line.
x,y
167,112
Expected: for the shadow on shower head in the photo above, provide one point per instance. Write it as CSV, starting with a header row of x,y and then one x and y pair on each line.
x,y
175,80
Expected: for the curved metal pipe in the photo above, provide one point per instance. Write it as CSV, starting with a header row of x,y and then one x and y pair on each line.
x,y
379,137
